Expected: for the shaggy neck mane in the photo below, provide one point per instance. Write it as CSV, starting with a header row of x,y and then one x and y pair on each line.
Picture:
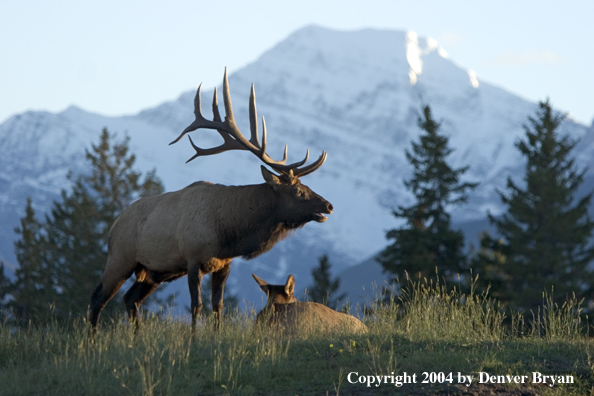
x,y
253,222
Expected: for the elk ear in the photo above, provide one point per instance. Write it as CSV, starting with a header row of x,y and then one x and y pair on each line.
x,y
290,286
263,285
270,177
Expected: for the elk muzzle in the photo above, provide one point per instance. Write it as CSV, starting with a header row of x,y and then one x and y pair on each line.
x,y
327,209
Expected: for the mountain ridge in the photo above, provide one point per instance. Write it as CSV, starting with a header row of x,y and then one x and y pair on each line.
x,y
355,95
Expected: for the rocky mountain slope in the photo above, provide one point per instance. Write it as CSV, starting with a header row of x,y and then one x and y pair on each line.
x,y
356,95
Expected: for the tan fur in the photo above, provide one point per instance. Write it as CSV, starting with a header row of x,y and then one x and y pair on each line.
x,y
199,230
288,316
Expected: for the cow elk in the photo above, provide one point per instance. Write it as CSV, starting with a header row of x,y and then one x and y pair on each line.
x,y
285,314
198,230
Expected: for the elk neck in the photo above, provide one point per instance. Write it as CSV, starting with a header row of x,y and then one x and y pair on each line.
x,y
253,223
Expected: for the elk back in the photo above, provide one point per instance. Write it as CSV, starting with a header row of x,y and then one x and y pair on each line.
x,y
306,318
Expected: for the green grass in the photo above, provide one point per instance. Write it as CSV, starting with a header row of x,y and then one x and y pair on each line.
x,y
428,330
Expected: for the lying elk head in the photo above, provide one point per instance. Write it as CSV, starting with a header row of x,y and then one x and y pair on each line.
x,y
277,294
201,228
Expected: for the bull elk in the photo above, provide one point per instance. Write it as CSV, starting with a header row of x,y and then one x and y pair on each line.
x,y
198,230
286,314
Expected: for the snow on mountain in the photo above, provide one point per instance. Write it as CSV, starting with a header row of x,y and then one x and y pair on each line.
x,y
356,95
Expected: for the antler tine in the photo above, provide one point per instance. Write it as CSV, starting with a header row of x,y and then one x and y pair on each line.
x,y
285,154
253,118
199,151
281,167
198,113
216,116
229,144
229,118
297,164
264,137
311,167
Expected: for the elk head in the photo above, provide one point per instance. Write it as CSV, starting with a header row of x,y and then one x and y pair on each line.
x,y
300,204
278,294
297,200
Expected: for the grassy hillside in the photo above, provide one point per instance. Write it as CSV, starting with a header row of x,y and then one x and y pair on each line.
x,y
429,334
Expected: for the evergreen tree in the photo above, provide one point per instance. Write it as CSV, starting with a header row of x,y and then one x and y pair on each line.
x,y
426,241
80,224
62,259
5,291
76,249
324,288
34,287
113,184
546,230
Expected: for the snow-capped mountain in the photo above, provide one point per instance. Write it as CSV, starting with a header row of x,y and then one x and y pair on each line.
x,y
355,95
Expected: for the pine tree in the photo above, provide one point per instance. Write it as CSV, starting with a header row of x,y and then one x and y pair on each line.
x,y
324,289
113,183
5,290
545,233
70,247
427,242
76,249
33,290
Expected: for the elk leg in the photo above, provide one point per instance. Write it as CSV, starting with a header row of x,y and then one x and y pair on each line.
x,y
194,282
99,298
115,274
218,290
135,296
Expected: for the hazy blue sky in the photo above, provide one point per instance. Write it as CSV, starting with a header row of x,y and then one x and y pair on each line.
x,y
118,57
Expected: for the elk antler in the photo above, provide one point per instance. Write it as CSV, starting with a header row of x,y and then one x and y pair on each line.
x,y
234,139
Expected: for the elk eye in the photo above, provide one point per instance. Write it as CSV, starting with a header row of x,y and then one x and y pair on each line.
x,y
298,192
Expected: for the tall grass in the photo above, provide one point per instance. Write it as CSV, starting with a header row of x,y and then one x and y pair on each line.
x,y
556,323
427,328
428,310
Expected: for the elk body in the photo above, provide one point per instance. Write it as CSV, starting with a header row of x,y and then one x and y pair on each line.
x,y
201,228
286,314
